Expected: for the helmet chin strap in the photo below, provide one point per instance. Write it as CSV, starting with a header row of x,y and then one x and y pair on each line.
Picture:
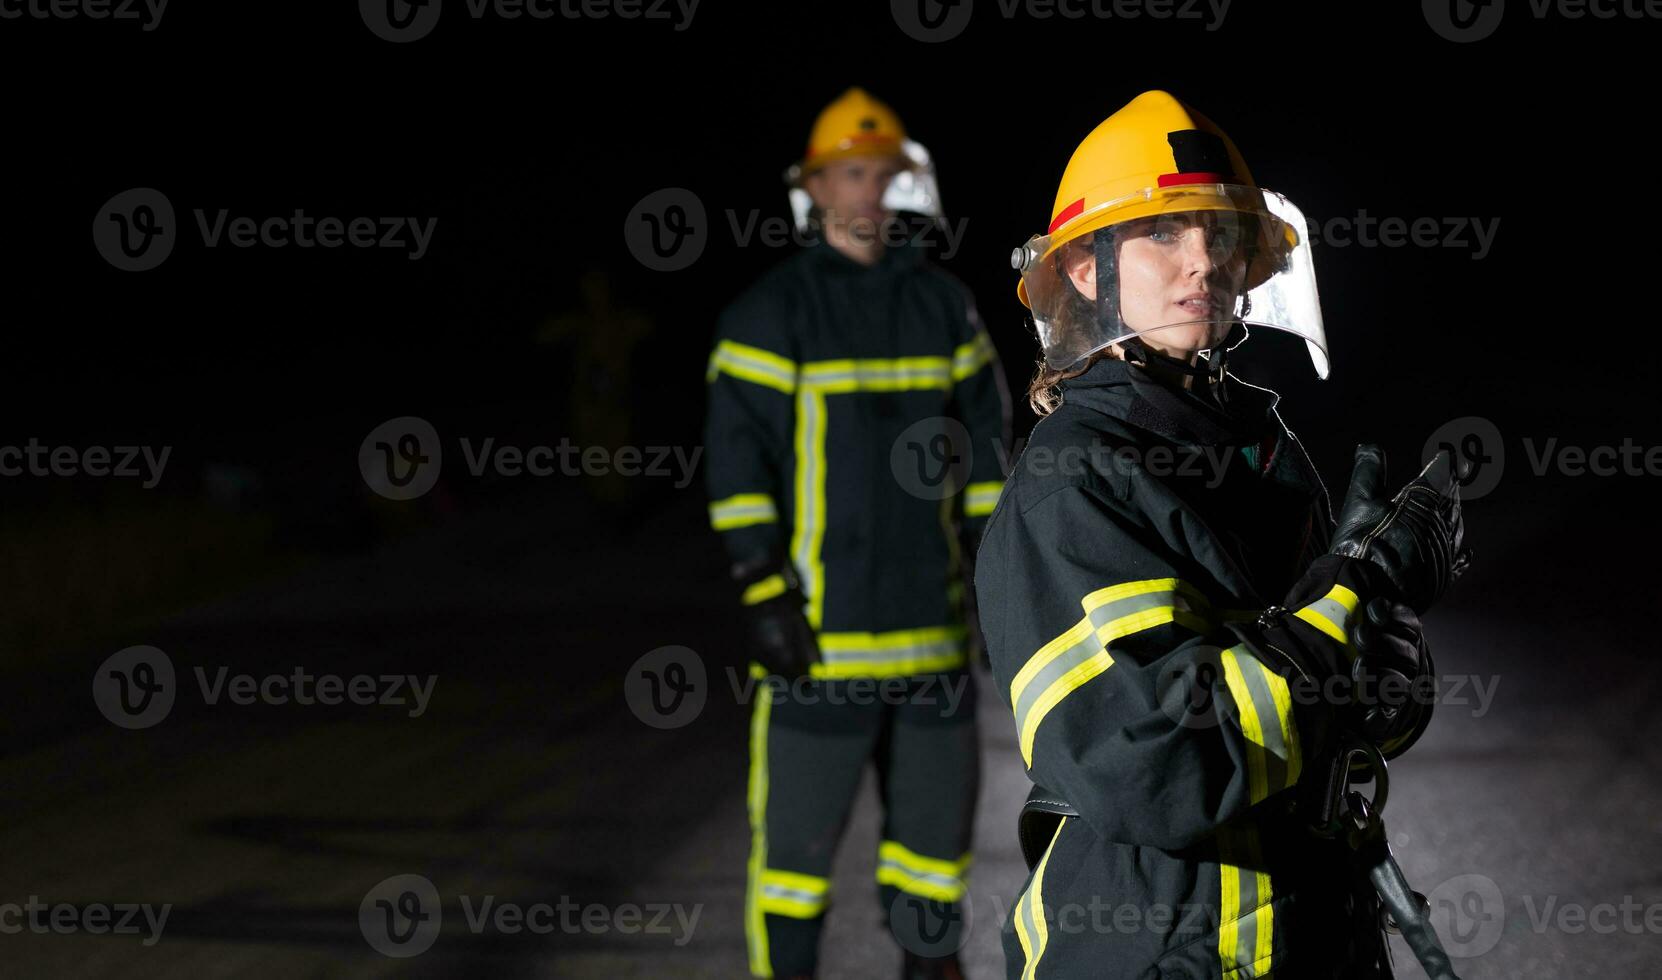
x,y
1204,378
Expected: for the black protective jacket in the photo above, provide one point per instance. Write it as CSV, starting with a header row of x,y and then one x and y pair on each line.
x,y
857,423
1139,536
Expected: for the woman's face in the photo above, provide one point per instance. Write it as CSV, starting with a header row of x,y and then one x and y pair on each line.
x,y
1176,268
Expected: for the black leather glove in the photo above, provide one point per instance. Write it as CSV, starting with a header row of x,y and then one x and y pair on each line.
x,y
1392,675
780,638
1417,537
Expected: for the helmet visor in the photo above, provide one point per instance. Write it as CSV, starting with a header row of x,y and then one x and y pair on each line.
x,y
1178,267
913,189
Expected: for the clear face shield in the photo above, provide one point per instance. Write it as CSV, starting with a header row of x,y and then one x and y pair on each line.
x,y
913,189
1178,267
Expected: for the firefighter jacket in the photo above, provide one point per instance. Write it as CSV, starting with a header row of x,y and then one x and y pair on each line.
x,y
1121,579
857,421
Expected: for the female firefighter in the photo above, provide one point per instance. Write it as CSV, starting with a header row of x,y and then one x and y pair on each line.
x,y
1181,631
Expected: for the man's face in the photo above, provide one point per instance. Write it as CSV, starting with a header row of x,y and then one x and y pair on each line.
x,y
849,192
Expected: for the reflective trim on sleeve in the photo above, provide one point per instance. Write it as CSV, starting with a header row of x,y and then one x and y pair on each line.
x,y
1331,613
973,356
742,510
894,654
1031,929
1264,706
793,894
752,364
981,498
1069,661
924,877
1246,924
763,590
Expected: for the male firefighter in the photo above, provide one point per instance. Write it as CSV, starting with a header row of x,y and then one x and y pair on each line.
x,y
840,386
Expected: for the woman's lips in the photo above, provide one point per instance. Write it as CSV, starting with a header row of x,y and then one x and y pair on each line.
x,y
1196,307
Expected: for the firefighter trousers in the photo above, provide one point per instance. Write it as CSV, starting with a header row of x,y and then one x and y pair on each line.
x,y
810,741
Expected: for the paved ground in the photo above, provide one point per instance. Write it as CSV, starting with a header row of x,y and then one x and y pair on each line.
x,y
528,779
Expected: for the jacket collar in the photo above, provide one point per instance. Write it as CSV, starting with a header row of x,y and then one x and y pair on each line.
x,y
895,258
1124,391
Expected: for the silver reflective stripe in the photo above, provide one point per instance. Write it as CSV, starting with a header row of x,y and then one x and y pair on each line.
x,y
1089,646
1333,612
941,648
939,375
793,895
1277,751
947,882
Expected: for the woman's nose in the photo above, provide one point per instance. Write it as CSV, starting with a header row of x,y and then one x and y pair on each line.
x,y
1197,254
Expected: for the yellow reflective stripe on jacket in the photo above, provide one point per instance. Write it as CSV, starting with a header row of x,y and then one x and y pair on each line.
x,y
972,357
1246,924
1331,613
878,374
809,532
924,877
742,510
752,364
981,498
892,654
1031,930
811,382
1066,663
793,894
764,590
1265,709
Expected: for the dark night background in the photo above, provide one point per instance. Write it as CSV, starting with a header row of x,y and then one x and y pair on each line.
x,y
530,141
